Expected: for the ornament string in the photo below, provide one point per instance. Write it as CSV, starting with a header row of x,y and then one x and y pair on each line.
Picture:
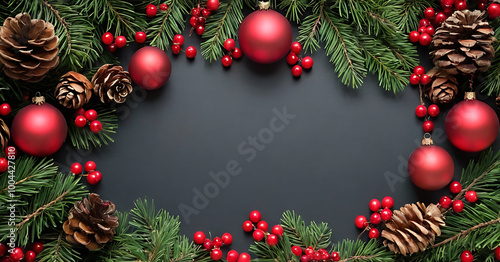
x,y
420,87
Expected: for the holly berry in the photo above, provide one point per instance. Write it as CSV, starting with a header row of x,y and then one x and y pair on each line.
x,y
3,249
226,61
304,258
217,242
206,13
428,126
292,58
190,52
258,235
424,22
120,41
421,29
229,44
112,47
375,218
296,47
207,244
374,205
421,111
76,168
497,253
244,257
91,115
16,254
296,70
433,110
493,10
30,256
95,126
447,3
425,39
195,11
386,214
430,30
296,250
277,230
419,70
200,29
461,5
414,79
193,21
373,233
455,187
232,256
94,177
471,196
5,109
237,53
255,216
216,254
466,256
140,37
317,256
458,206
307,62
199,237
4,164
388,202
90,166
107,38
178,39
262,225
213,5
440,17
80,121
309,251
227,239
414,36
335,256
429,13
176,49
481,6
272,240
163,7
79,112
202,20
360,221
445,202
425,79
151,10
247,226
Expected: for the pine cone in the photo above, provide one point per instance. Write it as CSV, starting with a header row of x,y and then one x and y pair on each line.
x,y
73,90
112,84
462,44
28,48
443,87
91,222
4,135
412,228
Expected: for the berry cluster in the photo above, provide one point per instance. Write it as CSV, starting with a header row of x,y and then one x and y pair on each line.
x,y
200,14
458,205
381,212
310,255
420,78
260,227
93,176
213,246
16,254
5,109
113,43
177,42
293,58
151,9
234,52
83,117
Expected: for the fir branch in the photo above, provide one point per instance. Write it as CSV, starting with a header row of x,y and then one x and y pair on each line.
x,y
466,232
165,25
58,249
491,82
294,9
359,250
410,13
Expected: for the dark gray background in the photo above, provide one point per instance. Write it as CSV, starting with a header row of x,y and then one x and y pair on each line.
x,y
327,164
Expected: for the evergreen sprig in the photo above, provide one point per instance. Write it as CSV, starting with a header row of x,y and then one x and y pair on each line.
x,y
165,25
58,249
406,14
294,9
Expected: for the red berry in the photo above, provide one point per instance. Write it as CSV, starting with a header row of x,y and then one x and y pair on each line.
x,y
107,38
91,115
386,214
262,225
247,226
3,249
414,79
94,177
360,222
388,202
213,5
481,6
425,39
461,5
296,47
193,21
419,70
430,30
199,237
272,240
151,10
421,29
433,110
16,254
471,196
207,244
296,250
429,13
466,256
335,256
140,37
244,257
424,22
374,205
30,256
414,36
497,253
200,29
176,49
206,13
79,112
227,61
304,258
190,52
455,187
237,53
447,3
90,166
95,126
296,70
373,233
80,121
163,7
428,126
232,256
227,239
195,11
112,48
178,39
458,206
4,164
76,168
216,254
217,242
307,62
309,251
229,44
292,58
277,230
421,111
5,109
375,218
317,256
445,202
255,216
325,256
258,235
494,10
440,17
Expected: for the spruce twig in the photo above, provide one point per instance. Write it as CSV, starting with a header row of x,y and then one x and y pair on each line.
x,y
466,232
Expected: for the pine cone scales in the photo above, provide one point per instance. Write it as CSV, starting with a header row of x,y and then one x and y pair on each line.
x,y
28,48
91,222
443,87
4,135
112,84
412,228
463,43
73,90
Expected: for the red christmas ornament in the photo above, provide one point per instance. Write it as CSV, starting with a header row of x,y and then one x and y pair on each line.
x,y
95,126
107,38
16,254
430,167
386,214
265,36
296,47
217,242
207,244
471,125
335,256
150,68
429,13
455,187
292,58
80,121
458,206
163,7
190,52
178,39
94,177
471,196
425,39
30,256
151,10
296,71
229,44
76,168
39,130
428,126
226,61
176,49
90,166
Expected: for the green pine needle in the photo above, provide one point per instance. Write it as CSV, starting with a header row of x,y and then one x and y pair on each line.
x,y
165,25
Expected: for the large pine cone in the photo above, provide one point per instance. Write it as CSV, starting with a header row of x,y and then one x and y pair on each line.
x,y
91,222
412,228
112,84
443,87
462,44
4,135
28,48
73,90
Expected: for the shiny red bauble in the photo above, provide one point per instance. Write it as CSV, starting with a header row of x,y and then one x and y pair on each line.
x,y
307,62
419,70
227,239
460,5
471,125
163,7
90,166
440,17
425,79
207,244
466,256
217,242
140,37
107,38
80,121
213,5
91,115
272,240
493,10
255,216
414,79
120,41
296,47
360,222
150,68
244,257
95,126
414,36
176,49
335,256
277,230
39,130
30,256
373,233
265,36
445,202
374,205
430,167
387,202
199,237
232,256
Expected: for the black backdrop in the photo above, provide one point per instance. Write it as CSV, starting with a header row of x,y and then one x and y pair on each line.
x,y
335,150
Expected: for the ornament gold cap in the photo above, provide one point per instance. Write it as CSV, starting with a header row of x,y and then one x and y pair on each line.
x,y
427,140
264,5
470,96
38,99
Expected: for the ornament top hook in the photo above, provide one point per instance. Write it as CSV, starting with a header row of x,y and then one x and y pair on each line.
x,y
38,99
264,5
427,140
470,96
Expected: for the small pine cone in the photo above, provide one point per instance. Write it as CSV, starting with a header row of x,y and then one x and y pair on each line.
x,y
413,228
443,87
4,135
28,48
91,222
112,84
73,90
463,43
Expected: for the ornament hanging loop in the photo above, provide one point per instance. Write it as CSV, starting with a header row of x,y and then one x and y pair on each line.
x,y
264,5
470,96
38,99
427,140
